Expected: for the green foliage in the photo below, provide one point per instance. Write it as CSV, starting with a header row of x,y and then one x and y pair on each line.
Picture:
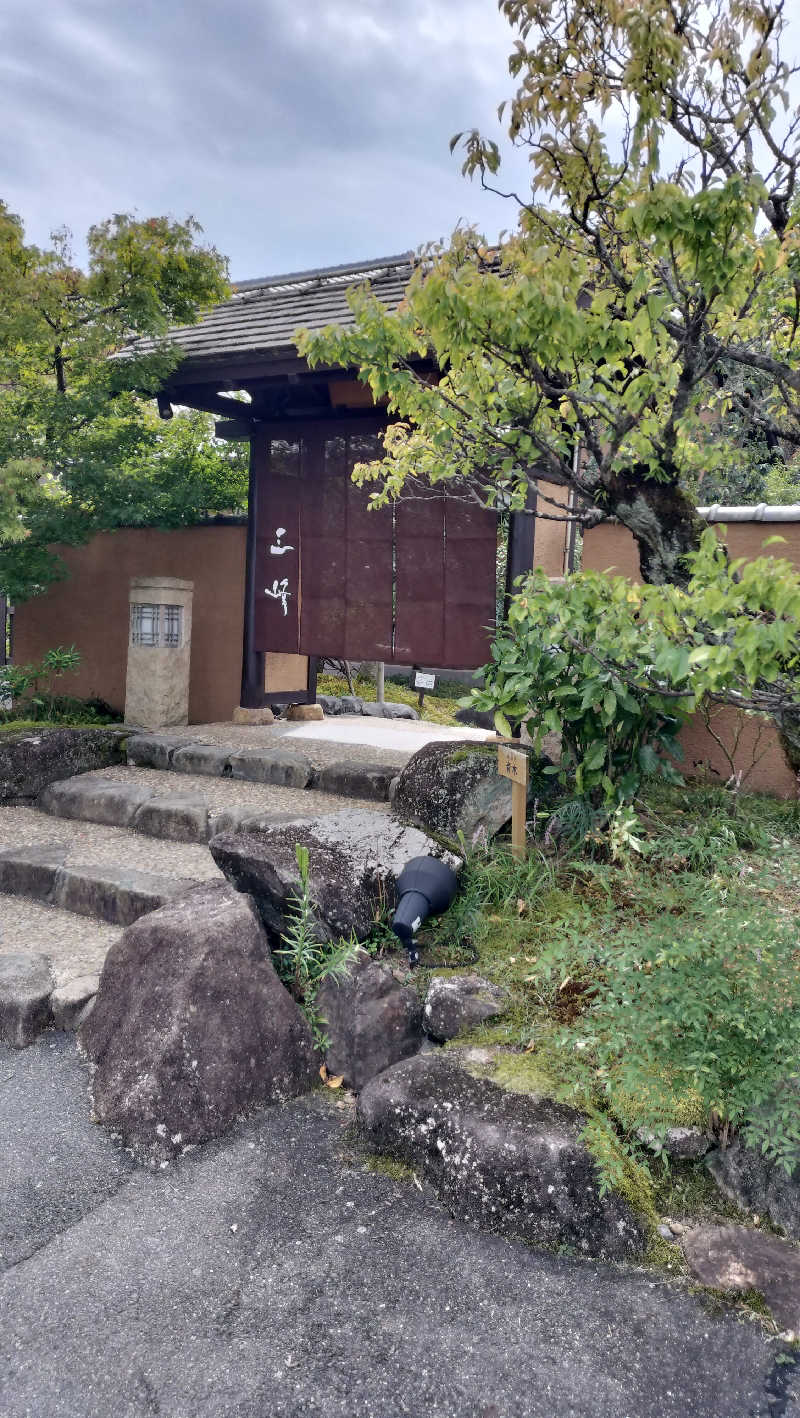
x,y
30,687
663,992
304,961
712,1007
652,260
617,669
80,450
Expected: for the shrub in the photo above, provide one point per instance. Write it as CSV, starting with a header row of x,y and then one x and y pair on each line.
x,y
616,668
30,687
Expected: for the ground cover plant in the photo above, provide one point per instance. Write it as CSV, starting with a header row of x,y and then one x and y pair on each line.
x,y
659,989
438,707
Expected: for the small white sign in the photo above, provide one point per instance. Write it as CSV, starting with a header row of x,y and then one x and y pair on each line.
x,y
422,681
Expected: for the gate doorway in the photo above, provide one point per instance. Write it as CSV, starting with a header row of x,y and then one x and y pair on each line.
x,y
412,583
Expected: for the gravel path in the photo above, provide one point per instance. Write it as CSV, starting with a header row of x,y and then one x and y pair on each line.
x,y
76,945
90,844
222,794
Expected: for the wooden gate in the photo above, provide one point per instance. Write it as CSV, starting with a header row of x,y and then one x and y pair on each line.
x,y
413,583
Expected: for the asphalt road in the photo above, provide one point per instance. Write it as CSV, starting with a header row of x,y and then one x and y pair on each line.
x,y
271,1276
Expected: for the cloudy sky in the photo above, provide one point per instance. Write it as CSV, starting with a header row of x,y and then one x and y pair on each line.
x,y
298,132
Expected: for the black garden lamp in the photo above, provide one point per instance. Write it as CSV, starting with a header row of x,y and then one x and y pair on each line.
x,y
425,887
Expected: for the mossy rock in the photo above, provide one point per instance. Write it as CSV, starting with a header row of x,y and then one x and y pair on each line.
x,y
30,761
454,789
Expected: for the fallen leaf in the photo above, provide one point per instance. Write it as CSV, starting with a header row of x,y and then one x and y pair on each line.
x,y
417,1182
564,983
335,1080
512,959
323,1073
522,906
529,1048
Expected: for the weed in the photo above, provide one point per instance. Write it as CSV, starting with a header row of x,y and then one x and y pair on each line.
x,y
304,961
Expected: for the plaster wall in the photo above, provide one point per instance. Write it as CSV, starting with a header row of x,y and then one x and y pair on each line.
x,y
91,611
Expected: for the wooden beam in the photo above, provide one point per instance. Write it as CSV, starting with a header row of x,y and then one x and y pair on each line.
x,y
201,397
233,430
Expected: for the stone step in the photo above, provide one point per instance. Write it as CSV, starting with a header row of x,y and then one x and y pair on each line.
x,y
185,808
116,894
278,766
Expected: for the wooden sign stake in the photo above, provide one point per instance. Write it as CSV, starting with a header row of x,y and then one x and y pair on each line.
x,y
513,764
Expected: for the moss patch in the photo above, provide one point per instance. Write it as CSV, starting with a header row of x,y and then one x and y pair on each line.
x,y
389,1167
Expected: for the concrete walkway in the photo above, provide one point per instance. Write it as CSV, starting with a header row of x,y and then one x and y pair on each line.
x,y
391,740
271,1275
394,735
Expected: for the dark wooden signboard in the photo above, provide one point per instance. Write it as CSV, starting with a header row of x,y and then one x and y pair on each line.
x,y
410,584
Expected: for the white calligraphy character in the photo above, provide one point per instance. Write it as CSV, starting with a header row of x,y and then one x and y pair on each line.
x,y
276,549
280,592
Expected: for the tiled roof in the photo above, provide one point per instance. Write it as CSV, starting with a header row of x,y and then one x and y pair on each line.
x,y
261,316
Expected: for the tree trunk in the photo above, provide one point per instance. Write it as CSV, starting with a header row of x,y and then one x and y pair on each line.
x,y
661,518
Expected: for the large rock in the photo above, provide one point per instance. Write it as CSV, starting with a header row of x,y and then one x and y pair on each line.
x,y
758,1185
370,1019
25,986
454,1004
355,857
736,1258
452,788
28,762
191,1025
500,1160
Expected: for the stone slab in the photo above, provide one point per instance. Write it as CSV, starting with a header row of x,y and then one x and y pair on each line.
x,y
351,778
278,766
26,982
32,871
178,819
118,895
505,1161
153,750
205,758
68,1002
90,799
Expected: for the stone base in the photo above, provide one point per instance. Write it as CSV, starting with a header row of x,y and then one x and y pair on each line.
x,y
298,712
241,715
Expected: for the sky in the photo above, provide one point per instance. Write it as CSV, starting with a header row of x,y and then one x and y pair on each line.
x,y
299,133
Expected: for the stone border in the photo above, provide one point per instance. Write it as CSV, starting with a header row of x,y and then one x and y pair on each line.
x,y
118,895
32,759
279,766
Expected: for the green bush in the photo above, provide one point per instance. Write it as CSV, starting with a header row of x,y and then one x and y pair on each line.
x,y
30,687
616,668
